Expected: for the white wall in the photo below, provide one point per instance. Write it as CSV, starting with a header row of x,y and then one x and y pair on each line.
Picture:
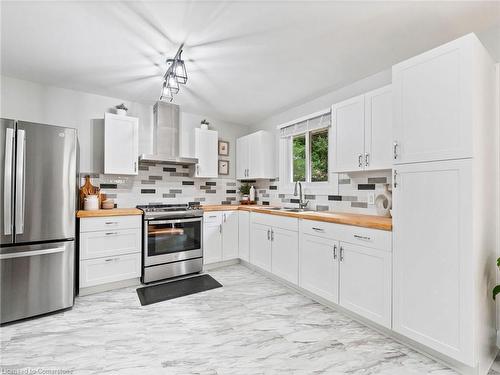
x,y
35,102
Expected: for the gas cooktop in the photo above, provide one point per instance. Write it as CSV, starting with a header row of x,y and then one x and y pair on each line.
x,y
171,211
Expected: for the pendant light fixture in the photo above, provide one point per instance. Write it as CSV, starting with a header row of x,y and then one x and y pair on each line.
x,y
176,74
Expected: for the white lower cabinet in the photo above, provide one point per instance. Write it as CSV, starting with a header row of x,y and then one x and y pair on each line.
x,y
106,270
110,249
220,236
319,266
260,246
285,254
244,235
365,282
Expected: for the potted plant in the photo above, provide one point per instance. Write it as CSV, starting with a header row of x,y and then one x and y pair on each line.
x,y
244,191
121,109
496,289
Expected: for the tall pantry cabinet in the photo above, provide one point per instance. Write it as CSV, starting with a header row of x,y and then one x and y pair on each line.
x,y
445,202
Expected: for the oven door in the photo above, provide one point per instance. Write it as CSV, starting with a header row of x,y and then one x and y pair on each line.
x,y
172,240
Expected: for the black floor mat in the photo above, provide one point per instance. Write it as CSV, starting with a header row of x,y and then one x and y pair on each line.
x,y
175,289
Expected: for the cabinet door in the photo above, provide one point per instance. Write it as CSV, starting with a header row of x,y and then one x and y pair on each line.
x,y
121,144
349,125
229,235
285,254
206,151
433,105
260,246
244,235
262,148
433,256
242,157
107,270
378,129
212,237
365,282
319,266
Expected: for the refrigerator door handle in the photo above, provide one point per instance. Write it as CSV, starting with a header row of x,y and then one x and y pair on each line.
x,y
20,180
7,182
32,253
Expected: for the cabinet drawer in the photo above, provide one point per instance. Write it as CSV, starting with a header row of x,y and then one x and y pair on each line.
x,y
375,238
108,243
275,221
111,269
90,224
212,217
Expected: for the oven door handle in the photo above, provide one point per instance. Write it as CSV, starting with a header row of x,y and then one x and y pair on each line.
x,y
174,221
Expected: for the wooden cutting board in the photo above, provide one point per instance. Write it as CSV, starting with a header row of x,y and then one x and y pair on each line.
x,y
89,189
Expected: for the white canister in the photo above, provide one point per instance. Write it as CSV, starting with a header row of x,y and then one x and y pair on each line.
x,y
91,202
383,202
252,194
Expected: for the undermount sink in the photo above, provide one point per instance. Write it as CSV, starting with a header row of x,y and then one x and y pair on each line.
x,y
296,209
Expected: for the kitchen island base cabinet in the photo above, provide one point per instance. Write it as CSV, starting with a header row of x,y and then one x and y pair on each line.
x,y
319,266
365,282
260,246
285,254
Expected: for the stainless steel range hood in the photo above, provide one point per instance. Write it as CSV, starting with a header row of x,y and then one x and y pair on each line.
x,y
166,136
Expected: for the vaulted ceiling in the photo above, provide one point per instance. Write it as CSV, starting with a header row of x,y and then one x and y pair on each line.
x,y
246,60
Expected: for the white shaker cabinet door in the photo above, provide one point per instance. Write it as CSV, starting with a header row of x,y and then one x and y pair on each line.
x,y
348,134
206,151
433,260
365,282
212,237
285,254
242,157
121,144
433,105
260,246
244,235
229,235
319,266
378,129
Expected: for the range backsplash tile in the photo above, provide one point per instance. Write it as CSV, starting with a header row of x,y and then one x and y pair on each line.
x,y
168,184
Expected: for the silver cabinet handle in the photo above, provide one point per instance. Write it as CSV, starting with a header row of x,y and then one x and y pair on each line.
x,y
272,235
394,182
224,214
360,162
220,228
318,229
111,233
7,182
341,254
367,159
135,166
395,150
111,222
20,180
334,252
32,253
197,169
360,237
268,235
112,259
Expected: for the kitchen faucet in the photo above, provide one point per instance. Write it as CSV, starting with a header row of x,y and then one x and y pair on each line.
x,y
302,204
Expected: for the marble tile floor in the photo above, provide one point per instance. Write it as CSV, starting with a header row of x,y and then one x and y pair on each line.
x,y
252,325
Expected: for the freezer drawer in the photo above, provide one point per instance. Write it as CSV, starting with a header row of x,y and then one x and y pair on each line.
x,y
36,279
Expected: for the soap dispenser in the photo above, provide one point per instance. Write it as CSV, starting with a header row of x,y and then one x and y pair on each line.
x,y
252,194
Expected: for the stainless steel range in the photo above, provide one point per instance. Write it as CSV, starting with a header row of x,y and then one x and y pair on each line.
x,y
172,241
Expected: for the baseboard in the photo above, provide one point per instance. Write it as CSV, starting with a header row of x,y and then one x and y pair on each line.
x,y
109,286
225,263
430,353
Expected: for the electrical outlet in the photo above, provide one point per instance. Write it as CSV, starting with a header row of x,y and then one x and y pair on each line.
x,y
371,198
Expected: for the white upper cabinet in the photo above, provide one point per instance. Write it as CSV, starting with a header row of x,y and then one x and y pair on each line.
x,y
435,96
255,156
349,124
121,144
206,151
362,131
378,129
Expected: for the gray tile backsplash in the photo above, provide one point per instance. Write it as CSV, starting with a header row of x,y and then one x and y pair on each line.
x,y
160,183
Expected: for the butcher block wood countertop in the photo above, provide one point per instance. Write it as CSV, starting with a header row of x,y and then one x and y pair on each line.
x,y
366,221
110,212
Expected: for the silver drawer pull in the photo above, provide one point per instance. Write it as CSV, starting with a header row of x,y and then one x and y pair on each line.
x,y
111,233
318,229
110,222
22,254
112,259
359,237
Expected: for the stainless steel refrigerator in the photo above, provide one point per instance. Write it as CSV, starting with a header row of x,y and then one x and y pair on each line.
x,y
38,184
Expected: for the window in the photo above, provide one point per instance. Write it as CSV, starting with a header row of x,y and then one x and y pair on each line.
x,y
309,156
304,154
